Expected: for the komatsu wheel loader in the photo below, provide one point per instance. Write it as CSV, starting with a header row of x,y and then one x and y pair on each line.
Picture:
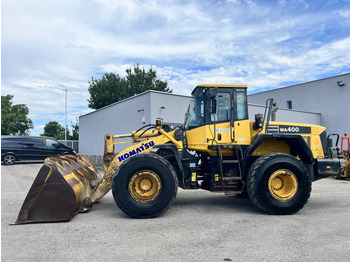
x,y
218,150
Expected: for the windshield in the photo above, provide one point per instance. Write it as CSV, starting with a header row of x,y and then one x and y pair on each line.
x,y
195,112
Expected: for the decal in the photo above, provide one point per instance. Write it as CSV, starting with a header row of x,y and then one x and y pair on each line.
x,y
272,129
295,129
194,177
139,149
222,130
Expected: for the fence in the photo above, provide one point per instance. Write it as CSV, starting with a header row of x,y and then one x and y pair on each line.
x,y
71,143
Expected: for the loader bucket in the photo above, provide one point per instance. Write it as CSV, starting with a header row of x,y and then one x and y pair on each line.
x,y
62,188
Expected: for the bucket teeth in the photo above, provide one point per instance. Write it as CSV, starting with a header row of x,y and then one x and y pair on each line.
x,y
62,188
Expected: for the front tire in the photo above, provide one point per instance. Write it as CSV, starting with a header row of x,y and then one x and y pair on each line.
x,y
279,184
144,186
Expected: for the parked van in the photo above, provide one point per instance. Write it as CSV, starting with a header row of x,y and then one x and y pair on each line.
x,y
15,148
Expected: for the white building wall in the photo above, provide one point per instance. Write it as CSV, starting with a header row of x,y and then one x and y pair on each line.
x,y
170,107
286,115
118,118
126,116
324,96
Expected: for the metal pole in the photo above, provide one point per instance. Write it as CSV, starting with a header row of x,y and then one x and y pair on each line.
x,y
65,116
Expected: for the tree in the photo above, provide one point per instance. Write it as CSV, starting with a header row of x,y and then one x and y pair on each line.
x,y
54,129
14,118
112,88
75,131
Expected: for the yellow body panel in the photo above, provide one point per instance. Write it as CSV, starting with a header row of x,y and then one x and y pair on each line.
x,y
201,138
310,133
271,145
242,132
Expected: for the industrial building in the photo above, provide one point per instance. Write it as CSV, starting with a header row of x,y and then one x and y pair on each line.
x,y
328,97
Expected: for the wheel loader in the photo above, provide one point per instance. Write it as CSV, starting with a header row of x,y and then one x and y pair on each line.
x,y
218,149
342,153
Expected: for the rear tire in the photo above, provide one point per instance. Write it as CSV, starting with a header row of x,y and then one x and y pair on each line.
x,y
9,159
278,184
144,186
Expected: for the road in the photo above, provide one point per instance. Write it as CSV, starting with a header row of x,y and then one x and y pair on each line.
x,y
199,226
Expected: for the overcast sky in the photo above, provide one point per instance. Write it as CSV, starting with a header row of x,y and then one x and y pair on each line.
x,y
49,46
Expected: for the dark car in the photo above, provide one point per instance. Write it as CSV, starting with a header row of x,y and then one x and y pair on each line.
x,y
15,148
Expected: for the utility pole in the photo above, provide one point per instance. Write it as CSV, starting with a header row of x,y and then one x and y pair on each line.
x,y
65,111
65,115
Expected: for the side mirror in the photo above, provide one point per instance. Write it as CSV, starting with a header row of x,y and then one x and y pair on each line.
x,y
213,105
212,92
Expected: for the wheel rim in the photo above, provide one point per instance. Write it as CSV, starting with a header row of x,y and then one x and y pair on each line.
x,y
145,186
283,184
9,159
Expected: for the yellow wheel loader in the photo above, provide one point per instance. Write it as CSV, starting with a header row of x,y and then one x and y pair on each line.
x,y
218,150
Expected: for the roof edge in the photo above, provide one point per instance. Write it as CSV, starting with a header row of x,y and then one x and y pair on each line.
x,y
132,97
312,81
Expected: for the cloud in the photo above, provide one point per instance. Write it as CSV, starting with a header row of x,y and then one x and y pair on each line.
x,y
54,45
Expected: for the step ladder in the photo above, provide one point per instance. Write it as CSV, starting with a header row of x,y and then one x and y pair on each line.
x,y
231,184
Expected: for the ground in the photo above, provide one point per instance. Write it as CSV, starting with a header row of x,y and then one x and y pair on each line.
x,y
199,226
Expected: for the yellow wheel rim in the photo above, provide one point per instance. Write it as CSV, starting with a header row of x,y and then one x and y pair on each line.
x,y
283,184
145,186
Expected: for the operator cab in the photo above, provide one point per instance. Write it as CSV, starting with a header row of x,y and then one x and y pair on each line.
x,y
216,104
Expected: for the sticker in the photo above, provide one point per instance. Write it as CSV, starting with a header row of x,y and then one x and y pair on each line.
x,y
194,177
295,129
192,164
216,177
222,130
242,139
272,129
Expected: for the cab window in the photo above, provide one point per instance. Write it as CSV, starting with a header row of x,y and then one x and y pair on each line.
x,y
195,115
223,108
241,104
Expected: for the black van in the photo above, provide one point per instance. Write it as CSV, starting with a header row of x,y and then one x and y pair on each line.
x,y
14,148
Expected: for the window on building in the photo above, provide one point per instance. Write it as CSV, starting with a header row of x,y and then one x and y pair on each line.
x,y
289,104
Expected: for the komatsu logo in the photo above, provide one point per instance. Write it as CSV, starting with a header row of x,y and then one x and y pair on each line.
x,y
140,149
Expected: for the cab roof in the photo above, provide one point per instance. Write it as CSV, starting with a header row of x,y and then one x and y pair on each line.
x,y
223,85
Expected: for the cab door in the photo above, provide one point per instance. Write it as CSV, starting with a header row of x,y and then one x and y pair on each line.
x,y
219,123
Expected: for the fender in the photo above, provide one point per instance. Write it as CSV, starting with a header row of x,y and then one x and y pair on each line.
x,y
296,143
175,150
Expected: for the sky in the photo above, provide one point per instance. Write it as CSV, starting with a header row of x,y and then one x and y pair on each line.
x,y
50,46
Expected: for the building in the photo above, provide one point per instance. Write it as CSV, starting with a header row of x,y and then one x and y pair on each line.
x,y
129,115
328,97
